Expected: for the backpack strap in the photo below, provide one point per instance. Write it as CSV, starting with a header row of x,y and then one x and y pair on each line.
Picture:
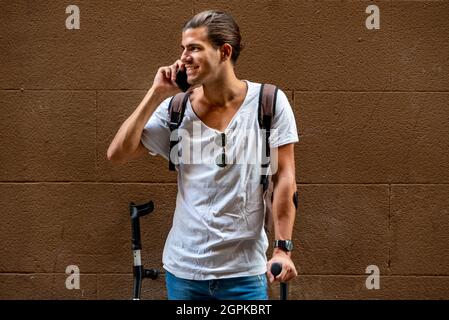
x,y
176,110
267,109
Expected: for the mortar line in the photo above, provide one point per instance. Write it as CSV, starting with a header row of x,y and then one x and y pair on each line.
x,y
390,45
293,99
289,89
175,183
416,275
86,182
389,230
96,133
370,91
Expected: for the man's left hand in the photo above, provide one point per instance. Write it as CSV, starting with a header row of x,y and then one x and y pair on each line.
x,y
288,267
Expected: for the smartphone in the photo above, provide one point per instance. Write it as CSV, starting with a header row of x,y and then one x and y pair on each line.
x,y
181,80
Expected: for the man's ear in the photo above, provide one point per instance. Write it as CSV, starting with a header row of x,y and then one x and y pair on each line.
x,y
226,51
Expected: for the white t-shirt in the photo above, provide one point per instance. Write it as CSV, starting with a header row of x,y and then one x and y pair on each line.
x,y
217,229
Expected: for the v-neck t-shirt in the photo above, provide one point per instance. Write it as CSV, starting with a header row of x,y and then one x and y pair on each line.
x,y
218,224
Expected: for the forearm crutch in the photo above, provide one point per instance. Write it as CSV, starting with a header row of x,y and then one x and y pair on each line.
x,y
139,273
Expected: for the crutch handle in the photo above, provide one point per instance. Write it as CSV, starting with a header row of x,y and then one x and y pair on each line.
x,y
276,269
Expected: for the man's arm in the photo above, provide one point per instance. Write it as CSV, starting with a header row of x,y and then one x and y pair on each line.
x,y
284,182
126,144
284,211
127,140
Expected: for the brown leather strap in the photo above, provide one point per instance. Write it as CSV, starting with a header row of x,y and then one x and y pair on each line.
x,y
266,112
267,102
176,103
176,110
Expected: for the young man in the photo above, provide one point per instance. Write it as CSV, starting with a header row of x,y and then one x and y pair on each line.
x,y
216,248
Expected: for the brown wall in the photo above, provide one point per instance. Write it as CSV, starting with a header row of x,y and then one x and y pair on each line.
x,y
372,108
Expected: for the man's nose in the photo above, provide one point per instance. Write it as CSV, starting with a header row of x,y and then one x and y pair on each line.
x,y
185,58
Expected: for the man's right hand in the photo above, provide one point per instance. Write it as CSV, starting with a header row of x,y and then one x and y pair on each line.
x,y
164,82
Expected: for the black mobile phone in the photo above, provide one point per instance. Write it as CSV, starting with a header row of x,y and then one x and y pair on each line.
x,y
181,80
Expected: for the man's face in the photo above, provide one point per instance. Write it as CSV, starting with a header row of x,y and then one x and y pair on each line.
x,y
201,59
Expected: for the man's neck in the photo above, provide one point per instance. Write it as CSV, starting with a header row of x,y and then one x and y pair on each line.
x,y
224,90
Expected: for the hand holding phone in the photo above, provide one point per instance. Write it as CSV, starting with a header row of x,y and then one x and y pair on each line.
x,y
169,80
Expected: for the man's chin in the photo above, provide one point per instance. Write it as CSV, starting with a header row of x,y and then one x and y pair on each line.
x,y
193,81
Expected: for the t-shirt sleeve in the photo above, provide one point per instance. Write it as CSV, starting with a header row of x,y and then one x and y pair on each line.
x,y
283,127
156,133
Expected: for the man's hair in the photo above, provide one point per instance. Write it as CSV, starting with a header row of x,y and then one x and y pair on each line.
x,y
221,28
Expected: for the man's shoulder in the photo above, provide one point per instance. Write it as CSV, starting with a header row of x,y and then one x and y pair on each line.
x,y
257,85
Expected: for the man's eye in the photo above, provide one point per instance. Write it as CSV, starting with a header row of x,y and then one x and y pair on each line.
x,y
191,49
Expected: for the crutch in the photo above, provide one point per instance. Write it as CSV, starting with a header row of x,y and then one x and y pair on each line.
x,y
139,273
276,269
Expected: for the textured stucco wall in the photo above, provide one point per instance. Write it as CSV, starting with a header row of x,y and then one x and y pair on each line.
x,y
372,108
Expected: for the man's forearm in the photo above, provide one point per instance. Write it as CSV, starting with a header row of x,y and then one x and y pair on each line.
x,y
284,210
128,136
